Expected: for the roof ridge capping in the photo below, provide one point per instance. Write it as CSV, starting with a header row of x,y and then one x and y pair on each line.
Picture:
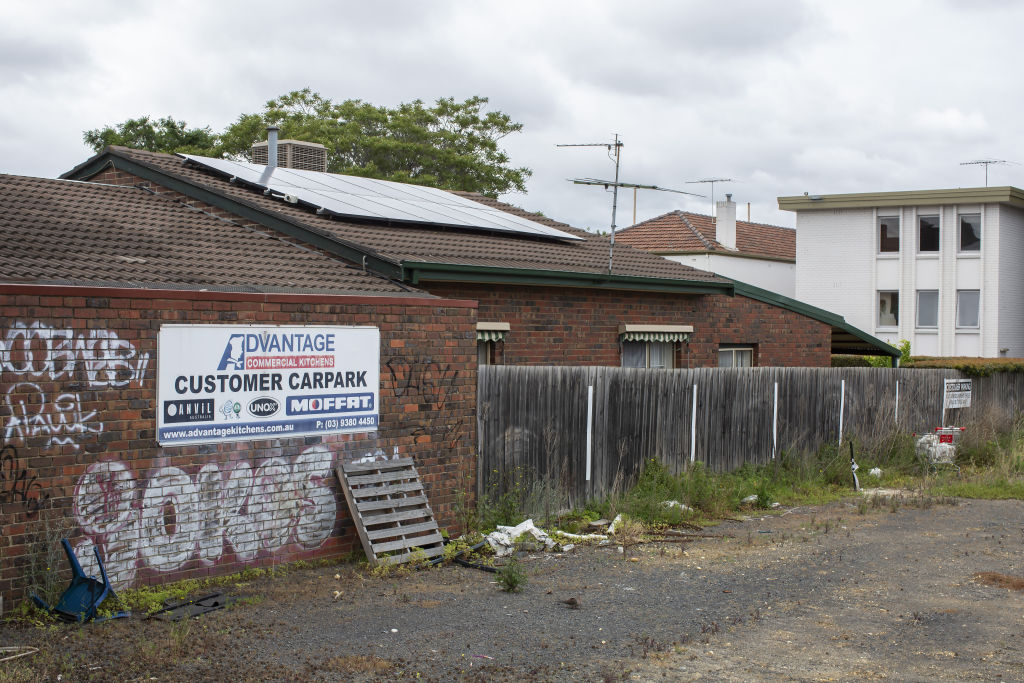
x,y
1000,194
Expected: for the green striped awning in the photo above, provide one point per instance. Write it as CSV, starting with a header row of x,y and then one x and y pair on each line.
x,y
655,333
491,335
492,331
655,336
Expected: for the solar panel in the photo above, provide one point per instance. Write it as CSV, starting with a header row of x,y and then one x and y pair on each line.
x,y
357,197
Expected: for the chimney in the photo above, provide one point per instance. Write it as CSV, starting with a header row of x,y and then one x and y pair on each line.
x,y
272,146
725,232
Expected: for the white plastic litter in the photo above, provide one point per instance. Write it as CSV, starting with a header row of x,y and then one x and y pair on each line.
x,y
875,472
614,525
503,539
677,504
752,498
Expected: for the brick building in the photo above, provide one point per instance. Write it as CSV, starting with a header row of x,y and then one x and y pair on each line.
x,y
93,276
541,299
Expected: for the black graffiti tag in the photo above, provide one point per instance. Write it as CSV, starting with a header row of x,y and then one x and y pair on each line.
x,y
17,486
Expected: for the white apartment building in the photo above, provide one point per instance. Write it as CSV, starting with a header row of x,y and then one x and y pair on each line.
x,y
941,268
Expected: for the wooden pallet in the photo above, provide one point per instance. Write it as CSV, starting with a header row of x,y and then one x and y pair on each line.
x,y
390,510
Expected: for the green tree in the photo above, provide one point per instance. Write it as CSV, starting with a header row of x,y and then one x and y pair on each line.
x,y
451,145
162,135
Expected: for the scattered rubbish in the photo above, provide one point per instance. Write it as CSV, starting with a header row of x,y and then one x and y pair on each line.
x,y
634,559
15,651
483,657
337,576
614,525
939,448
776,505
875,472
572,603
764,531
176,611
80,601
681,506
503,539
394,630
853,469
750,500
337,594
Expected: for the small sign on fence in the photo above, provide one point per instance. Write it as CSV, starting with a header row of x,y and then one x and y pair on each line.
x,y
956,393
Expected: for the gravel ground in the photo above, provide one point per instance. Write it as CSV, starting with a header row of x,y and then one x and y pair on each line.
x,y
818,593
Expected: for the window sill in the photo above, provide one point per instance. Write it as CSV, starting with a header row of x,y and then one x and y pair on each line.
x,y
968,330
887,329
968,254
927,330
888,255
928,255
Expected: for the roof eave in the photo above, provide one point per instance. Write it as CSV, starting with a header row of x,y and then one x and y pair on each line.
x,y
865,200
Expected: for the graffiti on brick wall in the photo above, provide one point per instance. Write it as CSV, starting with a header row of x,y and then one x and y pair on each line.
x,y
173,518
434,383
18,484
33,354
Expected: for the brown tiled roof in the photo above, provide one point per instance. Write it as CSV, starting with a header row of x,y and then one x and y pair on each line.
x,y
64,231
685,232
403,244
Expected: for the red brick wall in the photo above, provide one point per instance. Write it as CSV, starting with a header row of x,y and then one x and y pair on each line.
x,y
79,458
564,326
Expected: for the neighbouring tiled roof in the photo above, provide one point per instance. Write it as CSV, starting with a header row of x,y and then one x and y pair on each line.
x,y
64,231
431,244
682,231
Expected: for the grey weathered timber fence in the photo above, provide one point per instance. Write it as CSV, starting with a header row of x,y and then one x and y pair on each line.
x,y
534,423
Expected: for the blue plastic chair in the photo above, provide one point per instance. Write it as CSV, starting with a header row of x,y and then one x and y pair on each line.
x,y
82,598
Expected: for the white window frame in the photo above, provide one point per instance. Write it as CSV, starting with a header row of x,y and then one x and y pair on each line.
x,y
920,308
960,234
977,324
878,310
669,346
938,224
731,350
878,234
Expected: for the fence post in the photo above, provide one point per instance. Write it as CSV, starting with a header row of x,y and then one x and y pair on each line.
x,y
896,412
693,426
775,422
590,425
842,407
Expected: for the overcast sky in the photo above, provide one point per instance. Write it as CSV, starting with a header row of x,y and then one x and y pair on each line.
x,y
783,97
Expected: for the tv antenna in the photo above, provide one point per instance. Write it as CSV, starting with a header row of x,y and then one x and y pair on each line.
x,y
712,181
615,154
986,163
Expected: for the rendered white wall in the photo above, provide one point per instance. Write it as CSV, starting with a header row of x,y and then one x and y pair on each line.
x,y
775,276
835,263
1010,307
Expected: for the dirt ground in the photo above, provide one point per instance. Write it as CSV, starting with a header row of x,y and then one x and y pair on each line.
x,y
914,591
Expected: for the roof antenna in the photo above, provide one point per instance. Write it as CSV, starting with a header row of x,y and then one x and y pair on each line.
x,y
986,163
712,181
614,153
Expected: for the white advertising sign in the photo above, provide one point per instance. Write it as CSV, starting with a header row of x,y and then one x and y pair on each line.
x,y
956,393
237,382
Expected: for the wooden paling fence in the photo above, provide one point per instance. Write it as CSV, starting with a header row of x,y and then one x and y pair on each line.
x,y
588,429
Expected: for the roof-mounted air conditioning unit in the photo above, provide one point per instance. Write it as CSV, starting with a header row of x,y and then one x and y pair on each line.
x,y
308,156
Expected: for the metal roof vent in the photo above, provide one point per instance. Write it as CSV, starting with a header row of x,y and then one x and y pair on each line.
x,y
307,156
